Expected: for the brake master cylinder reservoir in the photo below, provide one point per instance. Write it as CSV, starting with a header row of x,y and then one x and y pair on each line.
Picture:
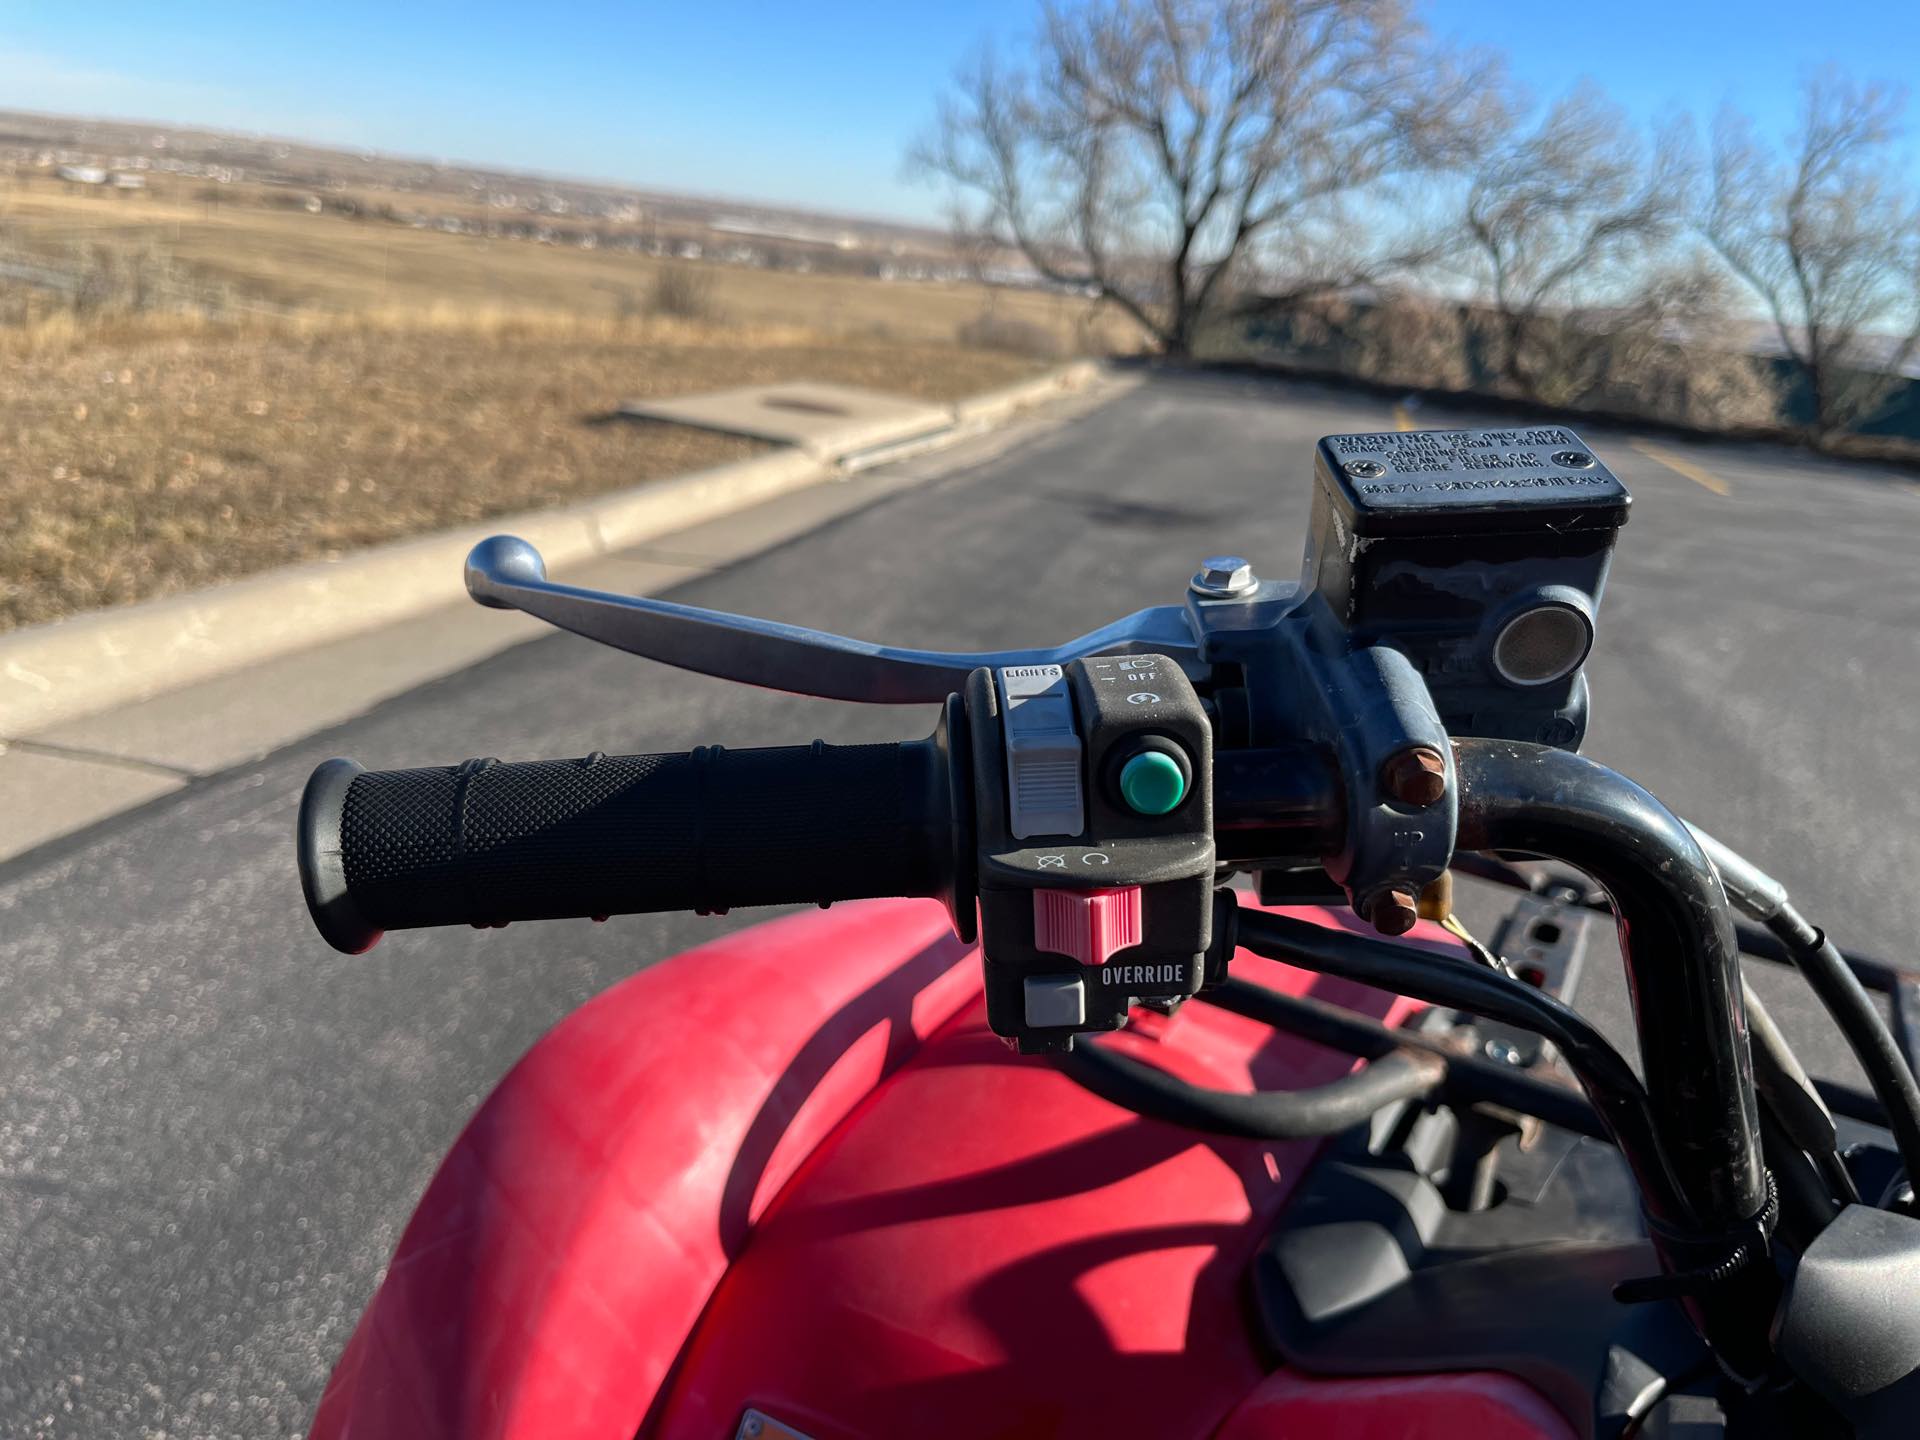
x,y
1480,554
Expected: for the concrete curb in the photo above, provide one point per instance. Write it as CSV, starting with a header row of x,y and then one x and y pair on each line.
x,y
70,668
990,407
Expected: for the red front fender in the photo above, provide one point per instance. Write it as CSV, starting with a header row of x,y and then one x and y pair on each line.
x,y
559,1259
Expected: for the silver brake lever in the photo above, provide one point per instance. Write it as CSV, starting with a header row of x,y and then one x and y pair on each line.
x,y
508,574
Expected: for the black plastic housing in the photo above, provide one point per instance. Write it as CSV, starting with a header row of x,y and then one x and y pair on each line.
x,y
1372,1272
1170,857
1849,1324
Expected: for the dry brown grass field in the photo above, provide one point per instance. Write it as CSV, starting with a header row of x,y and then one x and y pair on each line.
x,y
162,455
285,257
356,381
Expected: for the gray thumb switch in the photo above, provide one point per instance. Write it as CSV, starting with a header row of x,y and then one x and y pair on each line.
x,y
1043,752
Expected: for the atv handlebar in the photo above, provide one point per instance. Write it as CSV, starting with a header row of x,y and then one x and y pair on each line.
x,y
486,843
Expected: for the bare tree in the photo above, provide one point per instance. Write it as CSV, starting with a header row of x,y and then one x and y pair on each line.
x,y
1398,335
1827,234
977,249
1678,348
1557,219
1158,149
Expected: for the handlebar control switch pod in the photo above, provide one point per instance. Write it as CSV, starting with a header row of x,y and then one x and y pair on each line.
x,y
1093,815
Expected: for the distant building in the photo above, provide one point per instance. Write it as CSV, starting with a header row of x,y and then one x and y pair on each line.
x,y
82,174
807,234
128,180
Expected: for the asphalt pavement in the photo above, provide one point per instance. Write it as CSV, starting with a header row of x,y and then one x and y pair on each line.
x,y
212,1127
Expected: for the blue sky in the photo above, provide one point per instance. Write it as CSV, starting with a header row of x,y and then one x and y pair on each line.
x,y
810,102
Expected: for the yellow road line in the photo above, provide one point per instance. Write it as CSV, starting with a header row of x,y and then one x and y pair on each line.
x,y
1680,465
1402,420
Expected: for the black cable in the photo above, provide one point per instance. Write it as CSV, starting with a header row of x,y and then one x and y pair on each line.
x,y
1406,1065
1471,1079
1838,979
1262,1114
1852,1009
1442,979
1762,944
1755,940
1803,1122
1807,1202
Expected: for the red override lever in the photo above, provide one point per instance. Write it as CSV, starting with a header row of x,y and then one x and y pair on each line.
x,y
1088,925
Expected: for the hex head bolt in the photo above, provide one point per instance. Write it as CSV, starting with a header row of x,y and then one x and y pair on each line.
x,y
1224,577
1392,912
1416,776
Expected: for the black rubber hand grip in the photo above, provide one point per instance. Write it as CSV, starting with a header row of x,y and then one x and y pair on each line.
x,y
486,843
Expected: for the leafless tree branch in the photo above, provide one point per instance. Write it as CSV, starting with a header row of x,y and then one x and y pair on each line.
x,y
1158,149
1559,217
1827,234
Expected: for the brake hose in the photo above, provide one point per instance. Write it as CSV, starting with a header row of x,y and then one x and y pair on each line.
x,y
1836,987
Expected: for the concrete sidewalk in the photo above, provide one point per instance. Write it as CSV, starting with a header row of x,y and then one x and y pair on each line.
x,y
58,779
827,422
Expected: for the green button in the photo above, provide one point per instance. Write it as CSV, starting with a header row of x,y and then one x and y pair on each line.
x,y
1151,783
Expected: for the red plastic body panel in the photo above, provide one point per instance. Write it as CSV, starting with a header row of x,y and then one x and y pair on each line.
x,y
565,1248
859,1212
1413,1407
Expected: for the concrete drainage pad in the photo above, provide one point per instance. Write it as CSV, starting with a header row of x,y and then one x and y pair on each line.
x,y
826,421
